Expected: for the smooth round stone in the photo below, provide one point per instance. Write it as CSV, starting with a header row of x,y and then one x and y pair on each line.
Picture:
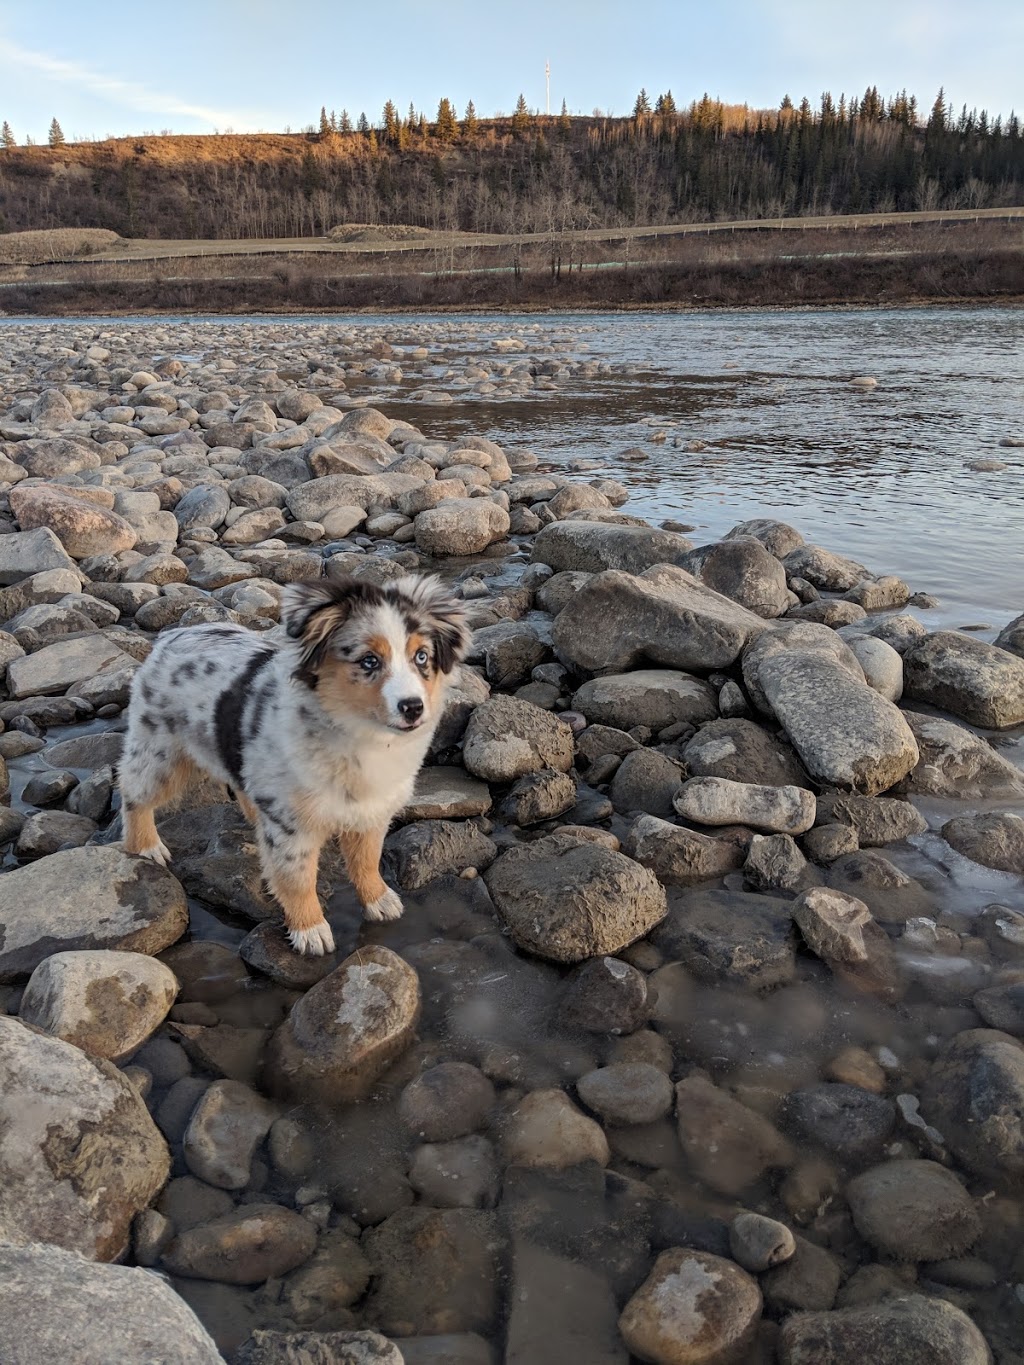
x,y
547,1130
914,1211
446,1102
693,1309
758,1243
627,1092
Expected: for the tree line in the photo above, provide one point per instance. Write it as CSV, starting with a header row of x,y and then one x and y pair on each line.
x,y
527,172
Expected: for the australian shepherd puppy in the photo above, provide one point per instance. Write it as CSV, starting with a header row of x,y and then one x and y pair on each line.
x,y
321,735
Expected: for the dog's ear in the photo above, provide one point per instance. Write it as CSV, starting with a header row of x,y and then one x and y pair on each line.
x,y
441,616
312,612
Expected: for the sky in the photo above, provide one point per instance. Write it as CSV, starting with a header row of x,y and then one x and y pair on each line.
x,y
192,66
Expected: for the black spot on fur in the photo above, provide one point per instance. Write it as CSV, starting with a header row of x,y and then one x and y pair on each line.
x,y
227,715
209,667
147,721
184,672
258,708
146,693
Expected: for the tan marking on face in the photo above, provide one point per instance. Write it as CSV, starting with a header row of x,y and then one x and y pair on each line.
x,y
433,680
343,689
379,645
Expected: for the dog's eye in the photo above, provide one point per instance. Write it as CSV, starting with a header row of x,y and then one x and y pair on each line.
x,y
421,658
369,663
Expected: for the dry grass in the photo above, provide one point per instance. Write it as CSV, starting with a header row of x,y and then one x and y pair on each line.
x,y
53,244
371,232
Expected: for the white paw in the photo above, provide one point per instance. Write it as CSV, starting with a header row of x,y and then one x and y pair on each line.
x,y
156,853
388,906
313,942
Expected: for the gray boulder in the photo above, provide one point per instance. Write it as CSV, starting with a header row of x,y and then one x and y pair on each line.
x,y
980,683
742,569
778,538
897,1331
87,898
566,898
743,751
845,734
913,1211
787,637
955,762
1011,636
680,857
993,839
79,1154
692,1307
507,738
592,547
654,697
56,1306
829,572
974,1096
663,616
718,801
730,938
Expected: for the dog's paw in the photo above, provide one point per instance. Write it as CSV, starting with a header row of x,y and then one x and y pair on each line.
x,y
156,853
388,906
312,942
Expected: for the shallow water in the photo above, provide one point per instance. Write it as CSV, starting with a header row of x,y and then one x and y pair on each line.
x,y
881,476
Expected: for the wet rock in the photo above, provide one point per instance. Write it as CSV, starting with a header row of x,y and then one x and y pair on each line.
x,y
742,751
461,1174
446,1101
693,1309
430,848
79,1154
726,1144
255,1242
546,1129
808,1280
335,1276
510,651
880,594
107,1003
877,820
1002,1007
223,1049
741,568
680,857
758,1243
730,937
827,571
718,801
993,838
980,683
1011,636
665,616
435,1271
590,547
507,738
447,794
833,924
208,972
778,538
604,995
655,697
317,1348
48,830
345,1030
846,734
569,899
559,1311
646,781
847,1122
774,863
889,893
540,796
898,1331
460,526
955,762
226,1127
913,1211
87,898
56,1306
627,1092
974,1096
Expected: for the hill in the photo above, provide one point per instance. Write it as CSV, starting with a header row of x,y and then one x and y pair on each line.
x,y
527,174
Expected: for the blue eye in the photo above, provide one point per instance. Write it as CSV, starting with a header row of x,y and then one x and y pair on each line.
x,y
421,658
369,663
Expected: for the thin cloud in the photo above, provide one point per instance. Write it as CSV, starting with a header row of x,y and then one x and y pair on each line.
x,y
126,93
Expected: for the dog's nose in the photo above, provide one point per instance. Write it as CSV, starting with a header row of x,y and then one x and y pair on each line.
x,y
411,708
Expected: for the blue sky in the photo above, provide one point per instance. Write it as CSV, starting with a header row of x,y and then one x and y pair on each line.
x,y
197,65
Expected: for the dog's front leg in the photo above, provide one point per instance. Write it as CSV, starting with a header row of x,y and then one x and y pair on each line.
x,y
290,870
362,859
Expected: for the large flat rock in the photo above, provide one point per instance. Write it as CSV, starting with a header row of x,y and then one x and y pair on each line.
x,y
980,683
618,621
53,669
594,546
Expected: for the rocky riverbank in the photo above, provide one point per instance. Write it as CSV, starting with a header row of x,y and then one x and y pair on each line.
x,y
700,1040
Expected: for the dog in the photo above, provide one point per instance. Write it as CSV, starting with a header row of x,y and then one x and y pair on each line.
x,y
320,735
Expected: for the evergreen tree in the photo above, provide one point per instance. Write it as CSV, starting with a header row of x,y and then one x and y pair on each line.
x,y
390,122
665,104
7,139
564,121
521,117
447,125
938,119
344,122
56,136
334,122
787,105
470,123
325,123
363,126
642,106
414,118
